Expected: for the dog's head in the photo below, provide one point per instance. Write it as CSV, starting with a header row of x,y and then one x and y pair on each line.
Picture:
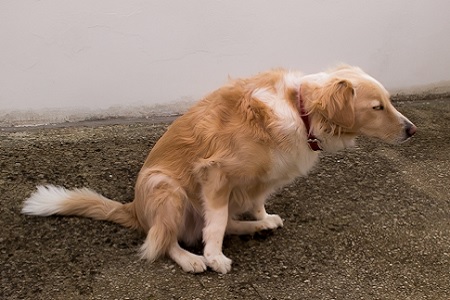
x,y
347,102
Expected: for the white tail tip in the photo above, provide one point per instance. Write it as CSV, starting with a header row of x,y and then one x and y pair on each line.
x,y
46,201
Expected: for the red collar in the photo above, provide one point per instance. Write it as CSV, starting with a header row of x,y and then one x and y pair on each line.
x,y
313,141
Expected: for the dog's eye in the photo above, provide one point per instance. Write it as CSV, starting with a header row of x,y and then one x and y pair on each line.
x,y
378,107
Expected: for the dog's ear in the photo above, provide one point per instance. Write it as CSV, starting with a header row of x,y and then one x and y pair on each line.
x,y
337,102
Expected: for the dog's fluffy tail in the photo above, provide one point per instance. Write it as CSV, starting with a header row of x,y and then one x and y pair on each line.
x,y
53,200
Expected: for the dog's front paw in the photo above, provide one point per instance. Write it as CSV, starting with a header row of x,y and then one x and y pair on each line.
x,y
219,263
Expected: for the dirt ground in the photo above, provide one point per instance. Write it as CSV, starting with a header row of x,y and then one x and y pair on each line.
x,y
368,223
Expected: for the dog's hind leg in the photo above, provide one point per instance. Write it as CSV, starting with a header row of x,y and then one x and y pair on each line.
x,y
160,205
162,239
250,227
264,221
188,261
166,209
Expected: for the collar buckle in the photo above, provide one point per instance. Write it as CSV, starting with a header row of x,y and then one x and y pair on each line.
x,y
313,142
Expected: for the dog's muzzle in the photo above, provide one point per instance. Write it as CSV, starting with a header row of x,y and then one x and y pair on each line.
x,y
410,130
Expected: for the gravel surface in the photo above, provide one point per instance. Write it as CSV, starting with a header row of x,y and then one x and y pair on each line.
x,y
368,223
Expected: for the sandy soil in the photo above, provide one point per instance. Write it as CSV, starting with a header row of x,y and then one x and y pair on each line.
x,y
368,223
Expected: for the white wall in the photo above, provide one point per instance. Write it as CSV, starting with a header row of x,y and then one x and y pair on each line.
x,y
96,54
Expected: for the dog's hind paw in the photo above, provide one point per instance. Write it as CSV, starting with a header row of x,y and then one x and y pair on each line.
x,y
273,221
194,264
219,263
188,261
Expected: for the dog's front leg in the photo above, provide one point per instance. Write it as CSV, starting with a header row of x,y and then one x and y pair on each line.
x,y
213,233
216,194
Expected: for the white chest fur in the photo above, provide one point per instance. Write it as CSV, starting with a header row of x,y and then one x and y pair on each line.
x,y
296,158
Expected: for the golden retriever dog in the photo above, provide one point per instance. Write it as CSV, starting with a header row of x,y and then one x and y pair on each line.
x,y
229,152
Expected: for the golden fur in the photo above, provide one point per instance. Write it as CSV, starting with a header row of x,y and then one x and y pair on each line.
x,y
228,153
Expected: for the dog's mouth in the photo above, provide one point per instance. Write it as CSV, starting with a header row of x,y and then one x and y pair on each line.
x,y
406,133
405,140
402,139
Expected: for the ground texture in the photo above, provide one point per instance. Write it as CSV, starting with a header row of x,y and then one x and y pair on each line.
x,y
368,223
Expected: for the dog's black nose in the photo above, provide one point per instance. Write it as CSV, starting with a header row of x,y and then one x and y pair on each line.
x,y
410,129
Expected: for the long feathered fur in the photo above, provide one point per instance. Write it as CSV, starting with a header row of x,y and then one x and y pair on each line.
x,y
227,154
